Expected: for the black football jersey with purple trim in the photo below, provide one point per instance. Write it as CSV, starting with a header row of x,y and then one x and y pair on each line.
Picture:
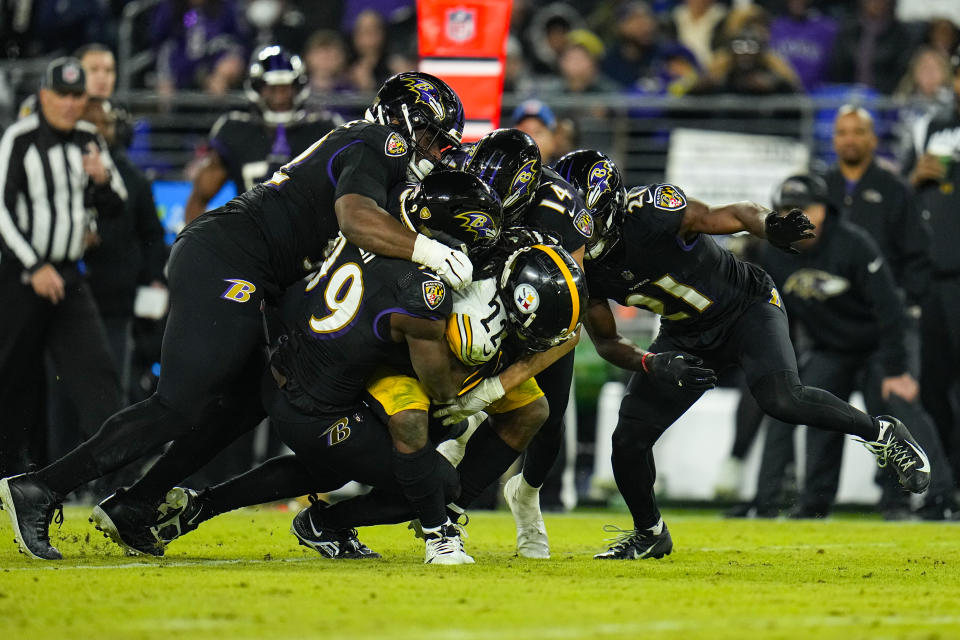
x,y
253,150
557,207
695,286
337,325
294,209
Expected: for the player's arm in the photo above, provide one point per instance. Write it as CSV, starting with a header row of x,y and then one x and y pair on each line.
x,y
672,367
525,368
430,356
209,180
367,225
779,230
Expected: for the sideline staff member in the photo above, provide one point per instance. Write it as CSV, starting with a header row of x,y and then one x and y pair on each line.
x,y
52,168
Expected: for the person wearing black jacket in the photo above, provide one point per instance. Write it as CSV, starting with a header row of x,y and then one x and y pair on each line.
x,y
53,169
934,171
883,204
841,291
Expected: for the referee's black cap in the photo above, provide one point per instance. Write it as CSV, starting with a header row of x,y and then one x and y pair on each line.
x,y
65,75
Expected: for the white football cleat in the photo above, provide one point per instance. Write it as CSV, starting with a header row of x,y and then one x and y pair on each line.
x,y
524,503
445,546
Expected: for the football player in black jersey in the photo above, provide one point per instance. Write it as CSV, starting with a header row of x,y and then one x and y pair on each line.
x,y
247,147
656,252
226,264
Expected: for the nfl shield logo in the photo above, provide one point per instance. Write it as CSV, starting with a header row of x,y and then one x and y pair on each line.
x,y
461,24
433,292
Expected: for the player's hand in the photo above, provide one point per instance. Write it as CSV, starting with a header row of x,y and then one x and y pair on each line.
x,y
783,231
679,369
93,165
453,267
474,401
47,283
903,385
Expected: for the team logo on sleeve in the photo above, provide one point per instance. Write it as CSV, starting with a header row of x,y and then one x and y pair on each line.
x,y
478,223
598,182
526,298
584,223
520,185
395,146
669,198
426,94
239,290
433,292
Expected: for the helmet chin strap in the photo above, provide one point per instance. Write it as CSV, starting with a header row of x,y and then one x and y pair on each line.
x,y
278,117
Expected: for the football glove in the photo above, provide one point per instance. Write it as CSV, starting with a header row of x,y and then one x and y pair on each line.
x,y
783,231
453,267
678,369
474,401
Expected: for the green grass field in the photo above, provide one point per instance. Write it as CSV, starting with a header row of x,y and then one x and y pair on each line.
x,y
243,576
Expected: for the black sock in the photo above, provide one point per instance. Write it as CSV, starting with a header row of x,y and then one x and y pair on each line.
x,y
418,474
279,478
487,458
543,452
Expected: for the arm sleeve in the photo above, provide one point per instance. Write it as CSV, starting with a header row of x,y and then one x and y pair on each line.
x,y
880,290
12,183
361,169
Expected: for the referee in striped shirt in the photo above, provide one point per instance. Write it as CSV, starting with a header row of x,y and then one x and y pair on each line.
x,y
55,174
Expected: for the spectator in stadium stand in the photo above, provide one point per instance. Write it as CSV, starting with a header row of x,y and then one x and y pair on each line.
x,y
747,66
546,35
325,56
536,120
368,51
804,38
636,51
38,29
872,48
934,171
277,22
943,35
676,73
924,90
696,25
200,45
516,72
52,167
580,70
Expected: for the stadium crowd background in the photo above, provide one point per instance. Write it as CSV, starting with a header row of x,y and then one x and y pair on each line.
x,y
617,75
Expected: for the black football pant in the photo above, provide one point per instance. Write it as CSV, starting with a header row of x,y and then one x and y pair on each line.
x,y
214,333
542,459
842,374
73,335
759,342
940,355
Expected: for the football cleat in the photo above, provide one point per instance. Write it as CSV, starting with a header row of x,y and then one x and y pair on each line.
x,y
896,444
128,523
336,544
445,545
524,503
636,544
31,507
180,513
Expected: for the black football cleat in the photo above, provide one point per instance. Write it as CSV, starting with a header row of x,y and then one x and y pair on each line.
x,y
182,512
633,544
31,506
128,523
336,544
895,444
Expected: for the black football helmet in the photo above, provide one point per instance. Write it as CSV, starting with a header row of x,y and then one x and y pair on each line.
x,y
274,65
412,102
455,208
545,293
598,180
509,161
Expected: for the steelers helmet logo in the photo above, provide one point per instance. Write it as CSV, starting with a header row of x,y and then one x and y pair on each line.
x,y
598,182
526,298
478,223
520,185
427,94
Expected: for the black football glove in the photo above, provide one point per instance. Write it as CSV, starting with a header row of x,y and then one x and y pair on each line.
x,y
783,231
679,369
